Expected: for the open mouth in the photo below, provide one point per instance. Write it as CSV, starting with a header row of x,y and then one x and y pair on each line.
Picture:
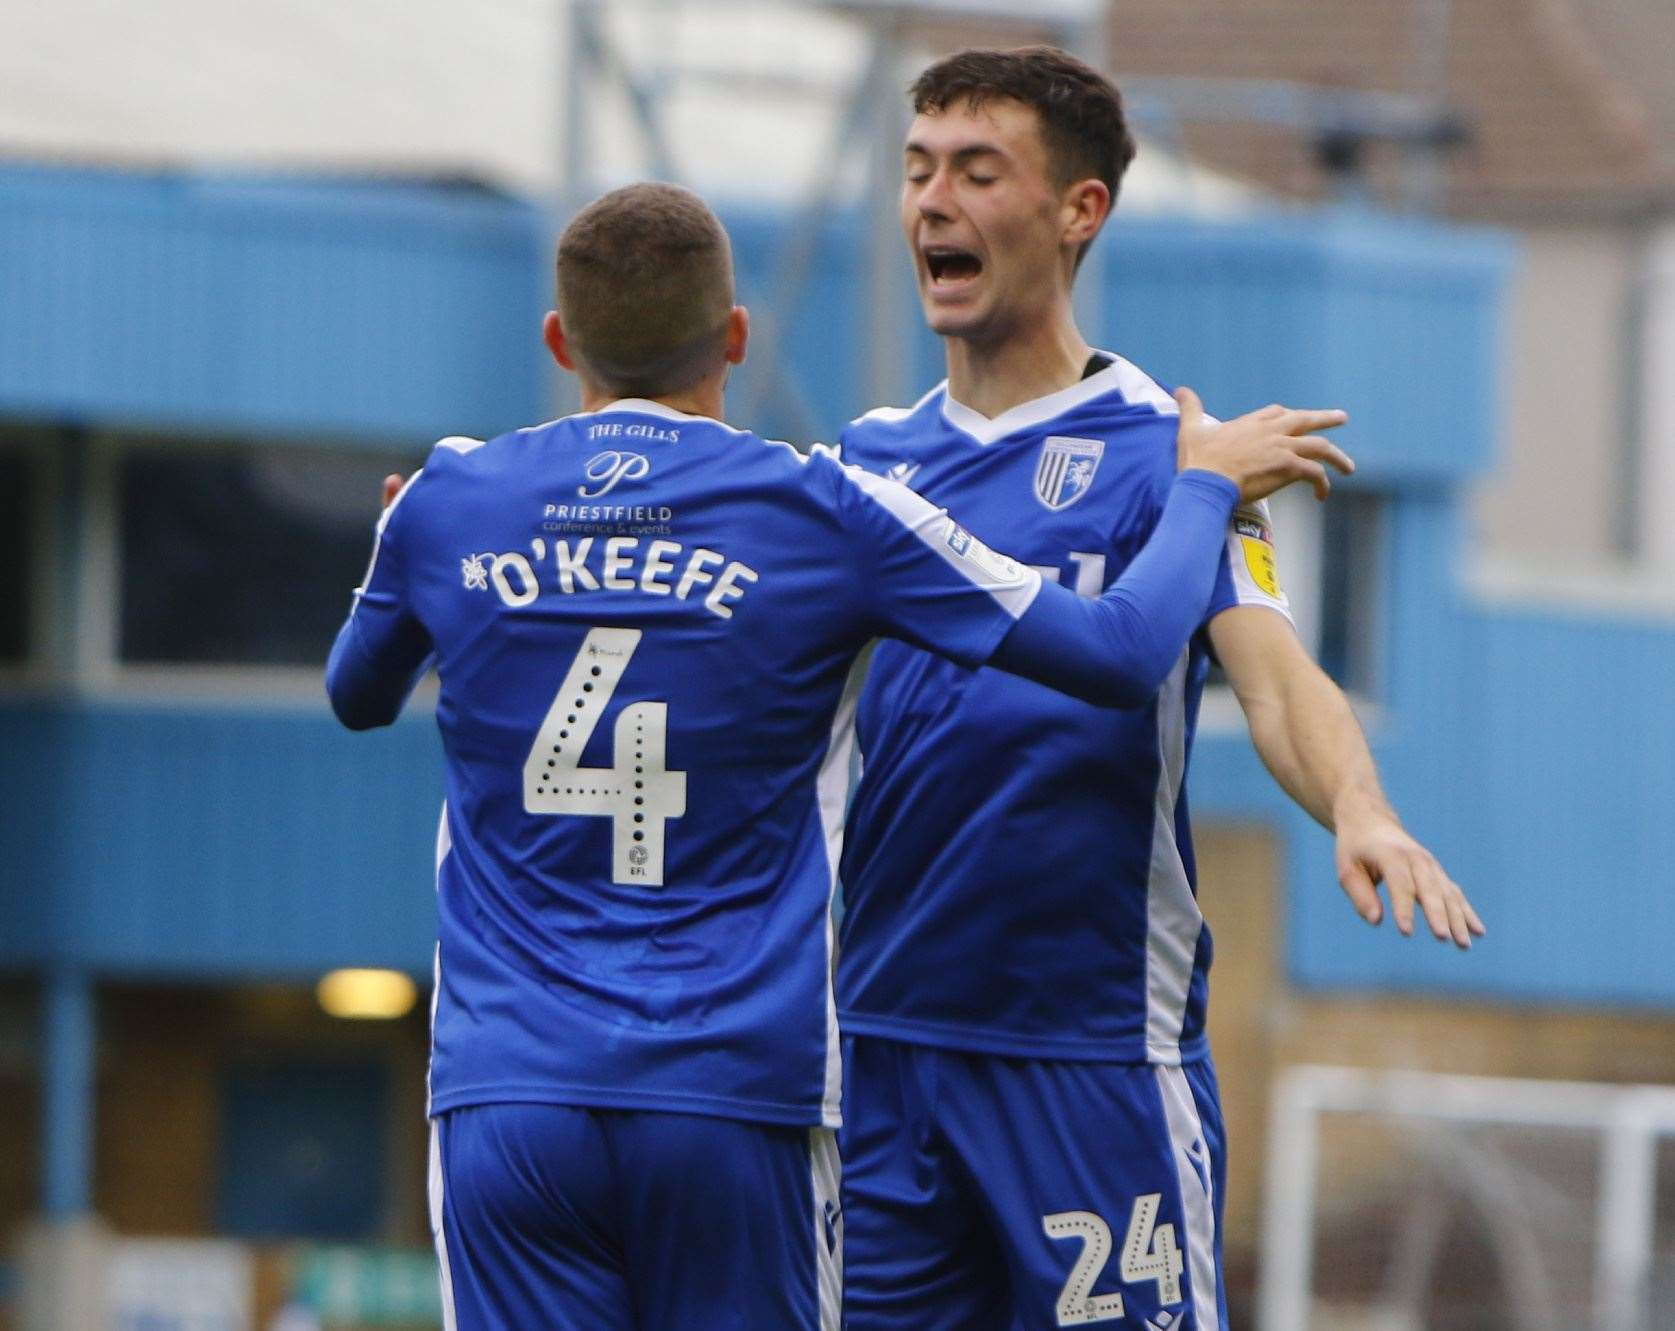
x,y
948,265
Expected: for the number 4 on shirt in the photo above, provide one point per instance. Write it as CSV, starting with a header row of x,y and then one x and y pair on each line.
x,y
637,792
1149,1252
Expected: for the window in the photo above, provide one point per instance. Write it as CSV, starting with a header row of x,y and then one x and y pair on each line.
x,y
1331,562
241,555
30,476
19,574
1351,585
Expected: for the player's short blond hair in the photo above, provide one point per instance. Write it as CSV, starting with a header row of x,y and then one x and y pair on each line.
x,y
645,285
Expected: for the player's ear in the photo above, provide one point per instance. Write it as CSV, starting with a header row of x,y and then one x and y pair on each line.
x,y
552,333
1084,208
738,334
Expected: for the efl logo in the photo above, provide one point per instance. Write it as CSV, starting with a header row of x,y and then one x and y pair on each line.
x,y
610,469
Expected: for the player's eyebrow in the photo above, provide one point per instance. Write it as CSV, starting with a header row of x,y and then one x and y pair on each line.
x,y
960,156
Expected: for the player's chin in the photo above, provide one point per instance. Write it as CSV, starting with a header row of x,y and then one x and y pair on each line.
x,y
949,320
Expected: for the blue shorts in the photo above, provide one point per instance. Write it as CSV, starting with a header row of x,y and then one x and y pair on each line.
x,y
983,1193
561,1218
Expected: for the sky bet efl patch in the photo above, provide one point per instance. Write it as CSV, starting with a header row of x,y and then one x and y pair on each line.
x,y
1001,568
1257,542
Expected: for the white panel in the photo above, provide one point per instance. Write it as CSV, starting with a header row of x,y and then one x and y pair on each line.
x,y
438,1230
832,789
1173,920
826,1173
1656,525
1186,1135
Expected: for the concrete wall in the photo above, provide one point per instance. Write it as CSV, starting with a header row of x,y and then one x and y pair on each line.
x,y
1556,497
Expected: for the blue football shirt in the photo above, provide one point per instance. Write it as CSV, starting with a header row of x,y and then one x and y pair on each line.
x,y
1018,876
644,624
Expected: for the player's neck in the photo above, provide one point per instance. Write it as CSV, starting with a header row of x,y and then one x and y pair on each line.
x,y
994,377
705,399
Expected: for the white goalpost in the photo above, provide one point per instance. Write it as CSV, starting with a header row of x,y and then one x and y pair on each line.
x,y
1382,1187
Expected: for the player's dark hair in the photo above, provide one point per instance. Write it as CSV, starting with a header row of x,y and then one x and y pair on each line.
x,y
645,284
1082,121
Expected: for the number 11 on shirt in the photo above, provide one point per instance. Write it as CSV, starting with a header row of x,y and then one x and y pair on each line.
x,y
637,792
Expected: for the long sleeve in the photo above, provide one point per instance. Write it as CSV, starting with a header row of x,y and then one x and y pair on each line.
x,y
382,648
1117,650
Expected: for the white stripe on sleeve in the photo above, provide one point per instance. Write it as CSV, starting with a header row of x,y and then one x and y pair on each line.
x,y
1012,584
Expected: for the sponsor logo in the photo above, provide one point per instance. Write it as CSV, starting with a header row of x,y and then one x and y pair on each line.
x,y
999,568
903,472
605,471
475,572
638,519
1065,470
1257,544
1199,1155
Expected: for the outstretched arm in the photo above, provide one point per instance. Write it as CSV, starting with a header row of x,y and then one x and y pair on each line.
x,y
1308,737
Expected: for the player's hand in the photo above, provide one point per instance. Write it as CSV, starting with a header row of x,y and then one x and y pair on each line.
x,y
1262,451
392,487
1374,848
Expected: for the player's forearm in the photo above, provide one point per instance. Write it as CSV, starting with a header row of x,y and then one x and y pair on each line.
x,y
1309,739
367,687
1117,650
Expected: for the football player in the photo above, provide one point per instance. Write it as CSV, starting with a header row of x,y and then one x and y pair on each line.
x,y
1033,1137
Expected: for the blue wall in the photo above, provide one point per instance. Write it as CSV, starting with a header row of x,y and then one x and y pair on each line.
x,y
351,311
1533,749
1395,321
224,841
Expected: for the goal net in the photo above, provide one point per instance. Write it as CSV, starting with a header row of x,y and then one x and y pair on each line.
x,y
1417,1202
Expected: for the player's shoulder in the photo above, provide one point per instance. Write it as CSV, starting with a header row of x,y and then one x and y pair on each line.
x,y
456,445
820,471
453,466
1131,411
775,460
1137,398
1124,400
458,455
884,431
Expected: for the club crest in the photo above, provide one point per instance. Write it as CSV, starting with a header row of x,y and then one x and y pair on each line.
x,y
1065,472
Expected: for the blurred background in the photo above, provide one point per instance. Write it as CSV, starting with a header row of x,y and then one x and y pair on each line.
x,y
254,256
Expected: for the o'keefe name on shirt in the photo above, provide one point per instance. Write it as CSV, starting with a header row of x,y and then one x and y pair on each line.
x,y
620,564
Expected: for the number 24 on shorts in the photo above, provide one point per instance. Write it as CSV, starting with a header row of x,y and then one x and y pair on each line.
x,y
1149,1252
